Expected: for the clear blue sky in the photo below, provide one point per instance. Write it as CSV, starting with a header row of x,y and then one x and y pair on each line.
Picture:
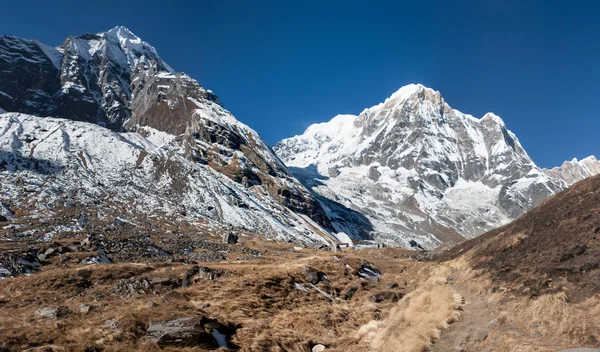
x,y
282,65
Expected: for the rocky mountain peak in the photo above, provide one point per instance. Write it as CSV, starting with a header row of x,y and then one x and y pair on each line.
x,y
116,80
418,169
411,94
491,117
122,34
135,48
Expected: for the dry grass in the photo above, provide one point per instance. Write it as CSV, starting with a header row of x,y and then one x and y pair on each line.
x,y
268,313
417,319
518,323
471,281
257,296
553,321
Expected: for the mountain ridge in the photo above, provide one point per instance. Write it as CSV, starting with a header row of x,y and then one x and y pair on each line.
x,y
117,81
401,172
414,150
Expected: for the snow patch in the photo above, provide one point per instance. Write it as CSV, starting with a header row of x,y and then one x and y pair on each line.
x,y
220,338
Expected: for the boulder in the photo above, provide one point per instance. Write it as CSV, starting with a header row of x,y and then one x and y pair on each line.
x,y
369,271
206,256
230,238
145,285
312,275
133,286
350,291
84,308
50,252
189,275
202,272
52,312
196,331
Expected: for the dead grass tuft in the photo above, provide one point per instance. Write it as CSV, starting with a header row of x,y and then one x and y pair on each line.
x,y
417,319
545,323
553,315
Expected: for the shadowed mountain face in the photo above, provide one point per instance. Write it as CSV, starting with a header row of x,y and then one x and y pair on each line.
x,y
420,170
87,78
115,80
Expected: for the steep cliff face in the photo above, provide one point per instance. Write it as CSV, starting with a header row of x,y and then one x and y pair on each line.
x,y
30,75
177,104
418,169
115,80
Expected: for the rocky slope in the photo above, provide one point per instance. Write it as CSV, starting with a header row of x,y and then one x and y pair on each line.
x,y
87,78
418,170
534,279
157,139
48,164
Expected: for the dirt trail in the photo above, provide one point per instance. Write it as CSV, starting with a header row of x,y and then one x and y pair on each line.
x,y
418,318
477,317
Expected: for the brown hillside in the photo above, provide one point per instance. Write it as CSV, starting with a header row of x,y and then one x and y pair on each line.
x,y
554,247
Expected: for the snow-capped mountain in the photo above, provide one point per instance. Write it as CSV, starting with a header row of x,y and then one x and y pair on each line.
x,y
87,78
575,170
416,169
130,128
127,133
47,164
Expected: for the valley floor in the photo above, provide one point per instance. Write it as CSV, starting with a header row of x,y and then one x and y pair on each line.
x,y
280,298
